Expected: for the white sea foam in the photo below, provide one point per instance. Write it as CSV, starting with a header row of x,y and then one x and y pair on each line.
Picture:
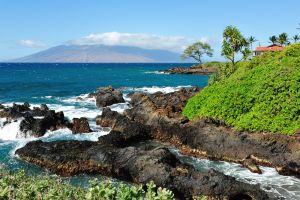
x,y
270,180
155,89
10,131
66,134
155,72
76,112
120,107
82,99
2,120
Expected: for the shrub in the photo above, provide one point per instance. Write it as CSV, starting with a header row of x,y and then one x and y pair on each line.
x,y
19,186
261,95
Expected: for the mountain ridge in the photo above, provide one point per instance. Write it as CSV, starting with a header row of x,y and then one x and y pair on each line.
x,y
100,54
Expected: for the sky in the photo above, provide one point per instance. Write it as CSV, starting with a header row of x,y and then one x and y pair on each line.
x,y
29,26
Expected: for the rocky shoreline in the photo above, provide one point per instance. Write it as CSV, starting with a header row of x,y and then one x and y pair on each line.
x,y
197,70
127,152
213,140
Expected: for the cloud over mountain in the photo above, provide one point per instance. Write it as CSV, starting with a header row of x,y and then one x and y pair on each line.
x,y
147,41
31,43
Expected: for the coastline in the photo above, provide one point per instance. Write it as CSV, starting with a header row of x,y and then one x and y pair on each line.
x,y
159,108
195,69
146,120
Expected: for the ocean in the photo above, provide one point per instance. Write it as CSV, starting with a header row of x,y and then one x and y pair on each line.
x,y
60,85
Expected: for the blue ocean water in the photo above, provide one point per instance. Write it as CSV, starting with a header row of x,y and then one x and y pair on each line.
x,y
60,85
21,82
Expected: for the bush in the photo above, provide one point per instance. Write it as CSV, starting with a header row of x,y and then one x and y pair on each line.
x,y
19,186
261,95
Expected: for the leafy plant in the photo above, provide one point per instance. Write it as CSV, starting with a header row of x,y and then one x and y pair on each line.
x,y
261,95
252,40
283,39
296,38
273,39
234,43
197,50
19,186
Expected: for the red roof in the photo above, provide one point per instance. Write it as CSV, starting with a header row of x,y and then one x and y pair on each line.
x,y
269,48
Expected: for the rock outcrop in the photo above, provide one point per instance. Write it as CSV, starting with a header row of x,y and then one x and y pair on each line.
x,y
35,122
106,96
15,111
80,125
190,70
206,138
128,153
37,127
136,164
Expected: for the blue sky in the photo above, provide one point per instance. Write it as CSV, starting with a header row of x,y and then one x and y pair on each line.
x,y
33,25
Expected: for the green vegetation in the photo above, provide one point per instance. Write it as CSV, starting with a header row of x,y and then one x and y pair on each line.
x,y
273,39
211,64
283,39
234,43
252,40
19,186
261,95
296,38
197,50
214,64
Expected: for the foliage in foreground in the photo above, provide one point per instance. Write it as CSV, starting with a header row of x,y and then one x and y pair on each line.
x,y
261,95
19,186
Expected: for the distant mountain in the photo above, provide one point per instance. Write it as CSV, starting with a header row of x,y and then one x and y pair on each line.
x,y
99,54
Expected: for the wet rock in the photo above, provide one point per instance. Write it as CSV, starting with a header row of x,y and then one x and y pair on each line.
x,y
14,112
170,105
135,164
162,112
250,164
37,127
80,125
19,110
124,131
107,96
200,70
44,107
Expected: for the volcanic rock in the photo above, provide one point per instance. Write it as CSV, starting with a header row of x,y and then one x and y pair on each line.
x,y
107,96
199,70
37,127
205,138
80,125
135,164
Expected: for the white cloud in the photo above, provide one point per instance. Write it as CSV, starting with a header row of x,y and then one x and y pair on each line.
x,y
148,41
31,43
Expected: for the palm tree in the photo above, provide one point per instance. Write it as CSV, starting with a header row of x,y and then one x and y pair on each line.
x,y
296,38
273,39
251,40
283,39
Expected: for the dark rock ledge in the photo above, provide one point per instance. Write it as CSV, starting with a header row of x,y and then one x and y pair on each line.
x,y
37,121
106,96
136,164
206,138
158,117
190,70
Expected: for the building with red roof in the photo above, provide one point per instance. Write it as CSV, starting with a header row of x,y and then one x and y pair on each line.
x,y
274,47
